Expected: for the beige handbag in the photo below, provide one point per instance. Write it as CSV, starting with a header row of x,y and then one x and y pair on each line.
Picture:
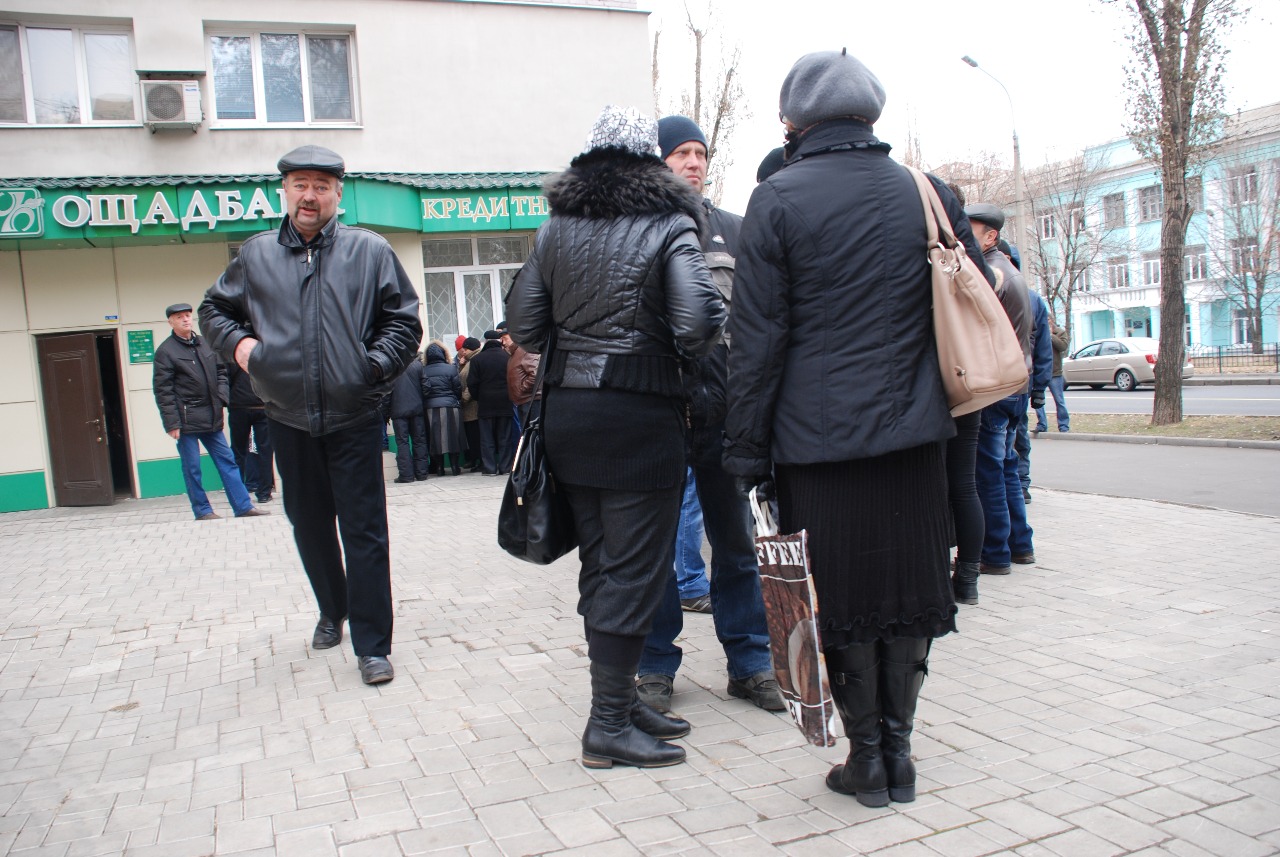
x,y
978,352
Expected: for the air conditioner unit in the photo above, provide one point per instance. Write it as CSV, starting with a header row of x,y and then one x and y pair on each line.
x,y
172,104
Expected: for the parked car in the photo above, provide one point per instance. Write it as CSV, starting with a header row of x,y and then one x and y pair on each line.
x,y
1126,363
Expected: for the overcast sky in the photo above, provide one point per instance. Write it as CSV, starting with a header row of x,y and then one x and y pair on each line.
x,y
1061,60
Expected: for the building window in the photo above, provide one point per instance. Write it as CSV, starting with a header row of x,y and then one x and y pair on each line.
x,y
282,77
1242,186
1150,203
1151,269
1048,228
1241,327
66,75
467,279
1113,210
1075,219
1244,255
1195,193
1196,264
1082,281
1118,273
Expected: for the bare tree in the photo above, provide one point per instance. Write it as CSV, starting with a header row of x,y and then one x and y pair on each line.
x,y
715,100
982,176
1174,84
1244,243
1071,228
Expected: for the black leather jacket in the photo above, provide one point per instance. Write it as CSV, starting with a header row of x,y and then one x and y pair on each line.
x,y
336,320
619,274
190,386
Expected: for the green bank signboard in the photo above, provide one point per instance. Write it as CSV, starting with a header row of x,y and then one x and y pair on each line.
x,y
150,214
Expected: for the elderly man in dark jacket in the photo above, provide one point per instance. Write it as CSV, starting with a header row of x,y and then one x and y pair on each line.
x,y
487,382
1008,536
324,318
413,461
736,605
191,389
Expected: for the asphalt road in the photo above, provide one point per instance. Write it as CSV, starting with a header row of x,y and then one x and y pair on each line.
x,y
1241,480
1262,401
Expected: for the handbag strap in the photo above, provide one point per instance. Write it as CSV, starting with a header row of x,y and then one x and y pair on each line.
x,y
543,359
935,214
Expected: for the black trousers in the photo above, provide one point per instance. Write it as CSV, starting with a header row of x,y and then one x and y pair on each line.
x,y
962,488
412,432
495,444
627,547
333,485
251,445
472,431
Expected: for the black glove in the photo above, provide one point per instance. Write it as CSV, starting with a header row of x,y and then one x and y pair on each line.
x,y
1037,398
763,484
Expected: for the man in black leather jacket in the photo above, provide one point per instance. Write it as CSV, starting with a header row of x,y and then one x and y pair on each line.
x,y
736,605
324,318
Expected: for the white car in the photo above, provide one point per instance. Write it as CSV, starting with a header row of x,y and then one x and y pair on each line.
x,y
1125,362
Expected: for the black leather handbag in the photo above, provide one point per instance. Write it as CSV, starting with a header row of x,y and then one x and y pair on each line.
x,y
535,523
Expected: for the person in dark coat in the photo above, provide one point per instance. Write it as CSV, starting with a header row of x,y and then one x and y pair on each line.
x,y
442,404
190,387
470,407
487,382
836,397
250,435
410,425
618,289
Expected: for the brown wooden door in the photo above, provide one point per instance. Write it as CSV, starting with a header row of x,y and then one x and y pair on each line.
x,y
75,419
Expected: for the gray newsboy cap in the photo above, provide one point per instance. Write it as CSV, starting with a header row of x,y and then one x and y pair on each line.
x,y
312,157
828,85
175,308
985,212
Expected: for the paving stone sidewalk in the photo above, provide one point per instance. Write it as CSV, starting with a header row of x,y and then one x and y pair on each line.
x,y
158,698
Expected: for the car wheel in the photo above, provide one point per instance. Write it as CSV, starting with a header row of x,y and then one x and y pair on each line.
x,y
1095,386
1125,381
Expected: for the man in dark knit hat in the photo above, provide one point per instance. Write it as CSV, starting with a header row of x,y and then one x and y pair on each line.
x,y
735,601
324,319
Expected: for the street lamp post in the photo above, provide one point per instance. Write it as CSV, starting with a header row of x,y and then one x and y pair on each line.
x,y
1024,222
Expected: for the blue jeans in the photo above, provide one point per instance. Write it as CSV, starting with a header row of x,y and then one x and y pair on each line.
x,y
220,453
999,488
1022,445
1058,389
691,570
736,606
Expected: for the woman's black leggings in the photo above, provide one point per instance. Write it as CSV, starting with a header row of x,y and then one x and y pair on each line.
x,y
962,488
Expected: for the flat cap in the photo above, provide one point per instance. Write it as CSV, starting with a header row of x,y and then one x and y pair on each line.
x,y
985,212
172,308
312,157
492,334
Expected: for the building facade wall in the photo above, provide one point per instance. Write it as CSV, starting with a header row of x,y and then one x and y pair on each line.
x,y
461,107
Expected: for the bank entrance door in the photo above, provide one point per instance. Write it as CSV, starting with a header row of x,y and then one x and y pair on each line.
x,y
84,417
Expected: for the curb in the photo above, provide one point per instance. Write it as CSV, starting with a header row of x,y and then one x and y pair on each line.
x,y
1228,381
1159,440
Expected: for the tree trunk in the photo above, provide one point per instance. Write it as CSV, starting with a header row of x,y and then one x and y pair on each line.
x,y
1167,408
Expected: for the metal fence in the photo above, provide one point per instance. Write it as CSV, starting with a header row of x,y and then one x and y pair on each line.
x,y
1235,359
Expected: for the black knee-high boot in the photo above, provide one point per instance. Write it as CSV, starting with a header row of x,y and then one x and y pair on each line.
x,y
854,674
648,719
903,666
610,736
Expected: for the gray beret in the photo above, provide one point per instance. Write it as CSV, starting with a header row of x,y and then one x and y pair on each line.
x,y
312,157
985,212
176,308
828,85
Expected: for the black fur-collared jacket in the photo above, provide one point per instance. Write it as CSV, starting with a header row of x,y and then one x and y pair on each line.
x,y
619,275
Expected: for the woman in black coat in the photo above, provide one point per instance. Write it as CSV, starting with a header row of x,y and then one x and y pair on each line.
x,y
835,393
618,283
442,406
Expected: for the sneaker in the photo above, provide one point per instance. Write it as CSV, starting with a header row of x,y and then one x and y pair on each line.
x,y
655,691
701,604
760,689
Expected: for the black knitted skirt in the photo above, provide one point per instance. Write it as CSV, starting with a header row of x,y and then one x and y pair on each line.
x,y
878,543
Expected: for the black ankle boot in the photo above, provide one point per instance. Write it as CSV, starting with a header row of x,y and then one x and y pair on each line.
x,y
665,727
610,736
902,670
855,685
965,582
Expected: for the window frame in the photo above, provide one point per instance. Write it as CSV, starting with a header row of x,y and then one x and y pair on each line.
x,y
1242,179
1195,261
499,282
1151,269
1047,227
84,102
1118,265
260,119
1117,206
1148,212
